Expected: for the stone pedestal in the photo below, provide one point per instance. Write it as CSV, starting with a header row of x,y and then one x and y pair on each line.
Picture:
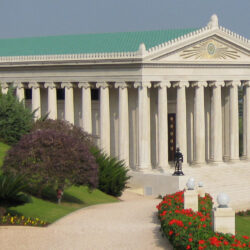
x,y
156,183
201,191
224,220
191,200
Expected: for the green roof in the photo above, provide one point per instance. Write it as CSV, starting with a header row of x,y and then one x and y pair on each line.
x,y
87,43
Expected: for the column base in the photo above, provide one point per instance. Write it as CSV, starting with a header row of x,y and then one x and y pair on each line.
x,y
144,168
213,163
198,164
234,160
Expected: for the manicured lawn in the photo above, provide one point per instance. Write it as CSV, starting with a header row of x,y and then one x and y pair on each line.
x,y
75,198
242,225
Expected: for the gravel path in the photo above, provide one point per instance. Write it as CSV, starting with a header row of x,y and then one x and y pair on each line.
x,y
129,224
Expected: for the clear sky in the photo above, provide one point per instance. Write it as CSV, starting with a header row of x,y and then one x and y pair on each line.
x,y
26,18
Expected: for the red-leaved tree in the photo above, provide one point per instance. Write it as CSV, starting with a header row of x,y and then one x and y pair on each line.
x,y
50,157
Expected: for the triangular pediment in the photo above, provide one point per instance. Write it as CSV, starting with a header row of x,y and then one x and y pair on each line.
x,y
210,47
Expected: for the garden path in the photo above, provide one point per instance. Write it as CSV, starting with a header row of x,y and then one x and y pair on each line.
x,y
130,224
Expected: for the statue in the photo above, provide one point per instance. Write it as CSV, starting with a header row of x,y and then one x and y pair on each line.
x,y
178,158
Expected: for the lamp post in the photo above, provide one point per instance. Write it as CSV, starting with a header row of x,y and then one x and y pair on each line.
x,y
178,162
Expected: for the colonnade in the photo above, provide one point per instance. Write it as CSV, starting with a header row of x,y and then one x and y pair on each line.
x,y
144,129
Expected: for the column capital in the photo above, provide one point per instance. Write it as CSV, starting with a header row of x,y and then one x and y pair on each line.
x,y
180,84
163,84
246,83
121,85
102,85
84,85
142,84
233,83
18,85
199,84
34,85
50,85
4,85
67,85
216,84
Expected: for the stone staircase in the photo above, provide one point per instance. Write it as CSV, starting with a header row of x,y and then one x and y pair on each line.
x,y
233,179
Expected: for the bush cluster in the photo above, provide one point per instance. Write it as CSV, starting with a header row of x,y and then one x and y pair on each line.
x,y
187,229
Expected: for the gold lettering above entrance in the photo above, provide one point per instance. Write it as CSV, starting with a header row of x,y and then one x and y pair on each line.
x,y
210,49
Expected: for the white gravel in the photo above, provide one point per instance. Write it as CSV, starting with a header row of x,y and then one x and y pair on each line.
x,y
129,224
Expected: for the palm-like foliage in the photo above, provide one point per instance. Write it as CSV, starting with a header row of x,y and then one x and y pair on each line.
x,y
11,188
112,173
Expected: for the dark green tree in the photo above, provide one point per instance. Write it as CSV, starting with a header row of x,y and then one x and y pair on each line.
x,y
15,119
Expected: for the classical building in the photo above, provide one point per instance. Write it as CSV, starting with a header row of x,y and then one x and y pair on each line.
x,y
140,93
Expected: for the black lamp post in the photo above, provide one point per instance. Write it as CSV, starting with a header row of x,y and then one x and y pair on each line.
x,y
178,158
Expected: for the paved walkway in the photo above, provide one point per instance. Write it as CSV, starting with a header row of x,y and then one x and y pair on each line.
x,y
130,224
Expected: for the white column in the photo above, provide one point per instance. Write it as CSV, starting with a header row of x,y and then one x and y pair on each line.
x,y
86,107
233,119
199,123
244,127
216,121
104,116
52,100
144,152
68,102
4,87
36,99
163,125
181,118
246,118
123,122
19,91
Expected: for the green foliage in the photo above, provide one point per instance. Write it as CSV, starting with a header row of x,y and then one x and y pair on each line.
x,y
15,119
51,158
11,188
186,229
112,173
74,197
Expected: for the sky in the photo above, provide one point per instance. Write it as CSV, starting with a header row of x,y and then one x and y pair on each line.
x,y
29,18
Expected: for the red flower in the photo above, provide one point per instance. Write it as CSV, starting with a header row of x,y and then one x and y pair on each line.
x,y
245,237
170,232
188,247
225,242
201,242
190,239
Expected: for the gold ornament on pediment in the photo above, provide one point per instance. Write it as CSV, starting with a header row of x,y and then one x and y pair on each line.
x,y
210,49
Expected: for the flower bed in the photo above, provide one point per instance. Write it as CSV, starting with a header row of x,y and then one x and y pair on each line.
x,y
21,220
186,229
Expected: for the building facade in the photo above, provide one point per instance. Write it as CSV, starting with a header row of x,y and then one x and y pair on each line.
x,y
182,90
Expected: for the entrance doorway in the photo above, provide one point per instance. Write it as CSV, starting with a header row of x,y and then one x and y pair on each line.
x,y
171,136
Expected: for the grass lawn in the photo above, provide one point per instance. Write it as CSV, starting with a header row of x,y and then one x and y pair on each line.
x,y
73,199
242,225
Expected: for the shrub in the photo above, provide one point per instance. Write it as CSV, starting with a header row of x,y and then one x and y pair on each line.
x,y
11,188
112,173
52,158
15,119
66,128
187,229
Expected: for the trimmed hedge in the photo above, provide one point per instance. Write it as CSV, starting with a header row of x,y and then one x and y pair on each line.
x,y
186,229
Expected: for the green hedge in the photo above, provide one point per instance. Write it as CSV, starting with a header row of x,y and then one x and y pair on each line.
x,y
186,229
